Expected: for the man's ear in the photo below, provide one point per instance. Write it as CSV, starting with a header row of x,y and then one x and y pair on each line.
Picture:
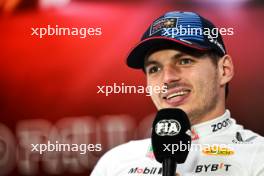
x,y
226,69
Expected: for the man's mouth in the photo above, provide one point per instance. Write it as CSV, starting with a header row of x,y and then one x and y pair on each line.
x,y
176,94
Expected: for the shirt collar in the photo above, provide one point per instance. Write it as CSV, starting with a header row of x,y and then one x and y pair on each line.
x,y
213,126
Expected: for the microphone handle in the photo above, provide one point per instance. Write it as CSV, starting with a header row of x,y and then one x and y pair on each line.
x,y
169,166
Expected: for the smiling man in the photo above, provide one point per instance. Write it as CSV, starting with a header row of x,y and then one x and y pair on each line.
x,y
178,52
195,84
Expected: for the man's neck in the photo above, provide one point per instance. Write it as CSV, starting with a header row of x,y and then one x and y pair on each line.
x,y
208,116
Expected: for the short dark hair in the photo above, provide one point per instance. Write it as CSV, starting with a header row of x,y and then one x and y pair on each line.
x,y
213,55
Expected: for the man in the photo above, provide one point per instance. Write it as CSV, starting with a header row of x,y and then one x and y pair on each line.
x,y
196,71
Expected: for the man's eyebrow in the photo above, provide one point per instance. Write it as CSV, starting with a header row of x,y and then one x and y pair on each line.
x,y
179,55
147,63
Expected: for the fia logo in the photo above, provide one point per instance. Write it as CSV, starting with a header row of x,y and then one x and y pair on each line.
x,y
169,127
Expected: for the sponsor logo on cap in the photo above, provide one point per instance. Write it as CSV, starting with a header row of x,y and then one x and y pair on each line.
x,y
162,23
169,127
214,41
218,151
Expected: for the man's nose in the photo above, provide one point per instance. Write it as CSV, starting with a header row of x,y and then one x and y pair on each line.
x,y
170,74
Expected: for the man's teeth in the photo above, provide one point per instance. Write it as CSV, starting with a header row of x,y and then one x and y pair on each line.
x,y
177,94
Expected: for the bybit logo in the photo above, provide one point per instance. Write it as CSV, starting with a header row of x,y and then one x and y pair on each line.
x,y
212,167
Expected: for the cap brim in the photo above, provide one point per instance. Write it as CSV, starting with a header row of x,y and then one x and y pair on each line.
x,y
136,56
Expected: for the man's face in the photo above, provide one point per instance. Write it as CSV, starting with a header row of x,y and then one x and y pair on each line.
x,y
193,83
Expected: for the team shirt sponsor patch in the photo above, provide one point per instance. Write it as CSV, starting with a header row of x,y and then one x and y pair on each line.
x,y
212,167
145,170
218,151
220,125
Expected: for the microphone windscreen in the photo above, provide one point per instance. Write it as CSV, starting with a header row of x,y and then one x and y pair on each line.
x,y
171,135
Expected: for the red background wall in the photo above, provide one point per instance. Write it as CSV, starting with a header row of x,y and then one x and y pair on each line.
x,y
57,76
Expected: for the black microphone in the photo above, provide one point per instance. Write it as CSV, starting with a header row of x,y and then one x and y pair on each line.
x,y
171,139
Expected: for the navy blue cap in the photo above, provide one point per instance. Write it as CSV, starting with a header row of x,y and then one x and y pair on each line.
x,y
185,29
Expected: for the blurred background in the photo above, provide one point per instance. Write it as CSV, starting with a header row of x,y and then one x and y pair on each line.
x,y
48,86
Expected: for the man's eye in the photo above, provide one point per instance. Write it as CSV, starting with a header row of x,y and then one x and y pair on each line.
x,y
153,69
185,61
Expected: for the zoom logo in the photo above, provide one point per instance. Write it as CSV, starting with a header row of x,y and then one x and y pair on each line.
x,y
169,127
220,125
